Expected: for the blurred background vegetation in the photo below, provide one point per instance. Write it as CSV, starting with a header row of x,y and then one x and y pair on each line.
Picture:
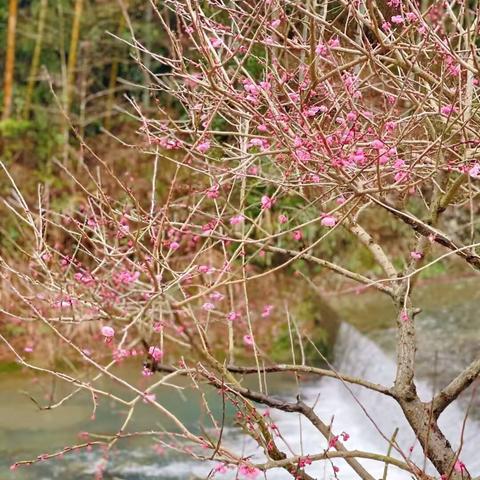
x,y
67,67
69,59
68,70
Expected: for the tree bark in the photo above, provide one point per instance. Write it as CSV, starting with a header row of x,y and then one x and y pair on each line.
x,y
434,443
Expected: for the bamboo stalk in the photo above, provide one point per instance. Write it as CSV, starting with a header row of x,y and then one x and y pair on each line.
x,y
42,14
72,53
10,59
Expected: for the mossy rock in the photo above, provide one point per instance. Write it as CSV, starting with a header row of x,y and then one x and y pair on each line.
x,y
317,326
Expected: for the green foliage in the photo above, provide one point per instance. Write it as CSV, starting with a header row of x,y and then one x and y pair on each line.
x,y
13,129
32,142
254,63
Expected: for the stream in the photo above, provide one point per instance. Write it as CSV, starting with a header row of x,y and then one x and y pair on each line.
x,y
448,332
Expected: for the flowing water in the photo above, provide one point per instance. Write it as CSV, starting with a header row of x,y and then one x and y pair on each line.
x,y
448,331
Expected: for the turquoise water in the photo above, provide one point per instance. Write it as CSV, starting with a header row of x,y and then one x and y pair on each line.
x,y
448,330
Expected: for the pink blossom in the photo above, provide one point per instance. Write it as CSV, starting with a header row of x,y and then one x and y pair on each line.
x,y
174,245
232,316
204,146
328,221
267,202
411,16
386,26
91,222
275,23
159,449
265,85
282,219
220,468
298,142
302,155
248,472
416,255
250,87
149,397
66,302
297,235
126,277
259,142
237,219
46,257
390,126
397,19
208,307
262,128
216,42
474,171
459,466
213,191
123,228
107,332
156,353
304,461
206,269
321,50
334,42
401,176
313,178
312,111
85,278
294,97
267,310
216,296
248,340
120,353
358,157
377,144
447,110
332,443
351,116
169,143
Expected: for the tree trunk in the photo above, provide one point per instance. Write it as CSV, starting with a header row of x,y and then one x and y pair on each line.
x,y
36,57
434,444
10,59
72,54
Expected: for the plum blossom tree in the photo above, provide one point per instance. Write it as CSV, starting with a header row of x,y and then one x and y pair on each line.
x,y
295,121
